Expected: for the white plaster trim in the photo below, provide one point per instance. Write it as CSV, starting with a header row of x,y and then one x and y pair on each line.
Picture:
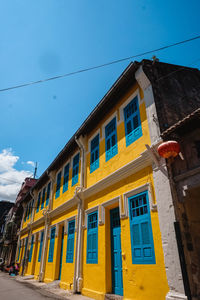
x,y
121,109
107,122
142,188
175,296
151,112
40,233
92,137
107,204
60,170
132,167
88,211
66,222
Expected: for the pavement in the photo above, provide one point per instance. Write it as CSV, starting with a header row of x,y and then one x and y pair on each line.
x,y
26,288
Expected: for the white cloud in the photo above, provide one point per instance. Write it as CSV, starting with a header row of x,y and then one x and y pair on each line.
x,y
10,178
31,163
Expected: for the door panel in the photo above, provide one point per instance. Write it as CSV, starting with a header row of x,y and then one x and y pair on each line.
x,y
116,256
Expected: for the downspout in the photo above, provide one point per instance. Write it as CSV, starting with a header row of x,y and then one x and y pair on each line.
x,y
46,230
78,278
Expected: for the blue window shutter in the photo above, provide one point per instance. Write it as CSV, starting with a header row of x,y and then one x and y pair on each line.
x,y
92,238
94,154
133,128
19,250
48,193
38,202
111,139
66,178
58,184
31,249
75,170
70,242
51,244
141,230
28,211
43,197
25,216
41,245
32,203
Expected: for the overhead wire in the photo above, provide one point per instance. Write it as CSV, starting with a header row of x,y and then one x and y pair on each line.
x,y
99,66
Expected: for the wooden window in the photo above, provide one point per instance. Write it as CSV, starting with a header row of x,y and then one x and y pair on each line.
x,y
58,184
51,244
111,139
43,197
133,129
75,169
141,231
94,154
66,178
92,238
41,246
48,193
70,242
38,202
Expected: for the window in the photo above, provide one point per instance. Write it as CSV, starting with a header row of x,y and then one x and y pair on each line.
x,y
133,129
70,242
111,139
28,210
58,184
94,154
19,250
66,178
38,202
31,249
48,193
51,244
32,204
92,238
41,245
43,197
75,169
25,215
141,231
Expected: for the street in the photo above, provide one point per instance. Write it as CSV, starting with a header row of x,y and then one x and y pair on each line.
x,y
11,289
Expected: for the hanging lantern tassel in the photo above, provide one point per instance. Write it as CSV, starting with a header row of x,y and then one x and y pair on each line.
x,y
169,149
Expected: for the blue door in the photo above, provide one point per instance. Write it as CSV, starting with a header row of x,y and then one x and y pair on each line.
x,y
116,255
61,252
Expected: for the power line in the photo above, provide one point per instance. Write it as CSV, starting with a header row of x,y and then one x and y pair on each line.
x,y
10,180
99,66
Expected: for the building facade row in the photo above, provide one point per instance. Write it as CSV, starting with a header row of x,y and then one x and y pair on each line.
x,y
100,219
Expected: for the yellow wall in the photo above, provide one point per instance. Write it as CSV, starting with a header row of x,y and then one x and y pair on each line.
x,y
125,154
139,281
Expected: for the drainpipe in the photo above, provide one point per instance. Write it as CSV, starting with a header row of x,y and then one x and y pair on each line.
x,y
78,278
46,230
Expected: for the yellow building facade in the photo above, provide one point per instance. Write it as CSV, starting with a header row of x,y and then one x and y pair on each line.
x,y
91,220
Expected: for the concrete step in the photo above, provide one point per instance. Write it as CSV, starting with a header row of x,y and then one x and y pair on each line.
x,y
113,297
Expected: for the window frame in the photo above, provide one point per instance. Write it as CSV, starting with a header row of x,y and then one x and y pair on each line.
x,y
70,237
139,220
95,164
48,196
41,245
51,244
136,133
90,232
75,177
38,202
113,150
43,197
57,192
66,183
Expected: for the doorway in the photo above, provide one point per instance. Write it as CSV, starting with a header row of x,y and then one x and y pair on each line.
x,y
116,255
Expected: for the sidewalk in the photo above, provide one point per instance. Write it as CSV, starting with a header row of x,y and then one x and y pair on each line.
x,y
52,288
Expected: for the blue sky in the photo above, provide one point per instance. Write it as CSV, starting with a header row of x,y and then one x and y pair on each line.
x,y
41,39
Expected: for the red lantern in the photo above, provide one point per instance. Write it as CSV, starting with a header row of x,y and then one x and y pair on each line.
x,y
169,149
